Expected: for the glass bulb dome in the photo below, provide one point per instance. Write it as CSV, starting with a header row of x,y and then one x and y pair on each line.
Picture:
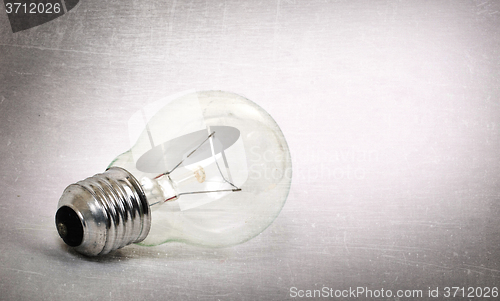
x,y
210,168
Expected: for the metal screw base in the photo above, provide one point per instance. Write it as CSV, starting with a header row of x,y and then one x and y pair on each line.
x,y
103,213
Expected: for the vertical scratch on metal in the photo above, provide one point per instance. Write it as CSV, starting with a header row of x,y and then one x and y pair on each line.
x,y
172,14
63,4
276,26
147,128
224,15
345,243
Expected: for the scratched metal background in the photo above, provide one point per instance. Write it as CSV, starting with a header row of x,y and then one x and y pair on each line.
x,y
391,110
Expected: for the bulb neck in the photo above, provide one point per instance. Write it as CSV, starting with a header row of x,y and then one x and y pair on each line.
x,y
103,213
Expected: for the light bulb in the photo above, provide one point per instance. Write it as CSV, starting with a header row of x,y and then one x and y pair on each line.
x,y
210,168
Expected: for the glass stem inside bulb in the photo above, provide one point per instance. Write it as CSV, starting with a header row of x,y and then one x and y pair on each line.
x,y
162,188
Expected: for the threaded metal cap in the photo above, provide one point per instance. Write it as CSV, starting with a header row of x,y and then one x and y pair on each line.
x,y
103,213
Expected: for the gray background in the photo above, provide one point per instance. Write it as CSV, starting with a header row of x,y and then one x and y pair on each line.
x,y
391,110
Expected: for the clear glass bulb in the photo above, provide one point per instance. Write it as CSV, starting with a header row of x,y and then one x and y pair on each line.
x,y
210,168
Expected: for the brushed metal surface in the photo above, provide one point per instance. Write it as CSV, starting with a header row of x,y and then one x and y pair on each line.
x,y
391,110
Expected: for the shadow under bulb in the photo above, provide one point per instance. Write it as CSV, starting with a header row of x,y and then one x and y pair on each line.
x,y
210,168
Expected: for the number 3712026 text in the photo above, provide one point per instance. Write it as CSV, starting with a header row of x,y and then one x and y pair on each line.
x,y
32,8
